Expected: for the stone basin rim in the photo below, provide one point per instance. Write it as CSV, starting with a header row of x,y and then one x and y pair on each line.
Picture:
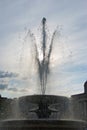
x,y
43,123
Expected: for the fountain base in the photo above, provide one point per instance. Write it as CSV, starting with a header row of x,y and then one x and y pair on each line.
x,y
43,106
42,125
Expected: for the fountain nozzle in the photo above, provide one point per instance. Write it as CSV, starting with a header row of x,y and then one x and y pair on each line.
x,y
43,20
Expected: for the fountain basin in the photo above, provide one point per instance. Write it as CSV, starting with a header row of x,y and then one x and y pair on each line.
x,y
43,124
44,106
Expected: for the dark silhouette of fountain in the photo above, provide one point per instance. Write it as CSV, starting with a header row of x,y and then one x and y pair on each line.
x,y
45,104
43,70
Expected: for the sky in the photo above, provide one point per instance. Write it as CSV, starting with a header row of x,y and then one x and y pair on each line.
x,y
68,65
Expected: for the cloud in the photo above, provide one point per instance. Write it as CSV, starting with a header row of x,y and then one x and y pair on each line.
x,y
7,74
3,86
5,77
69,63
12,89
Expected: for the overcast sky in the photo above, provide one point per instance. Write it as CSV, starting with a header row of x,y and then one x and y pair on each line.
x,y
68,69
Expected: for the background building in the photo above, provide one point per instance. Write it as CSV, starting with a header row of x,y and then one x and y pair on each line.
x,y
80,104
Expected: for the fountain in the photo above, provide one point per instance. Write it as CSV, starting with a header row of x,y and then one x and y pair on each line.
x,y
43,106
